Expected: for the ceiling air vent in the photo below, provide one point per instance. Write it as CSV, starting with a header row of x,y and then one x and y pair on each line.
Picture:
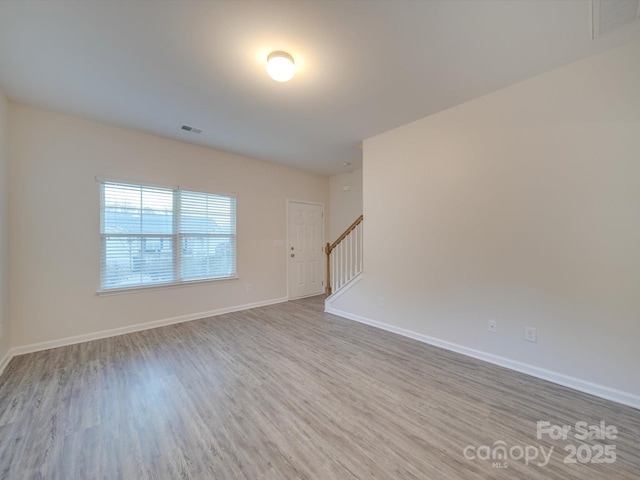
x,y
610,15
187,128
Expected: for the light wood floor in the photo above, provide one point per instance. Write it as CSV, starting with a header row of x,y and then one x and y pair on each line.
x,y
283,392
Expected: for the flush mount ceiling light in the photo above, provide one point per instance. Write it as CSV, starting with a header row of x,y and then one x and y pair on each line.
x,y
280,66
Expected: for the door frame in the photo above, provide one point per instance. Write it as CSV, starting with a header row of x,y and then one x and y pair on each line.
x,y
286,242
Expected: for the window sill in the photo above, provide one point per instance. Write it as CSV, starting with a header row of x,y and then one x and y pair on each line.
x,y
163,286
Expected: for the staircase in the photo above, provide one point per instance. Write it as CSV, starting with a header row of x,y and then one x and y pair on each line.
x,y
344,257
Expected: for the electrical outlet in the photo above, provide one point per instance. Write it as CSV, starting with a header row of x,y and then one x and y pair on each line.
x,y
381,302
530,334
493,326
249,288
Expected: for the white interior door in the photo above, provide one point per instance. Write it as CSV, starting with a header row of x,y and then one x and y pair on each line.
x,y
305,249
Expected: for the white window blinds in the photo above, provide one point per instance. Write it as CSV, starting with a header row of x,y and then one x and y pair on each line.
x,y
154,235
207,232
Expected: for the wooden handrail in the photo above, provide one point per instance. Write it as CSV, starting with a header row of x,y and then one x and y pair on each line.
x,y
344,234
330,246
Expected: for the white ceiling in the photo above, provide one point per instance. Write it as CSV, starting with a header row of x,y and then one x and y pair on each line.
x,y
364,67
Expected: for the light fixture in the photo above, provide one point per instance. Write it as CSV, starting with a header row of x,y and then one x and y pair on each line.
x,y
280,66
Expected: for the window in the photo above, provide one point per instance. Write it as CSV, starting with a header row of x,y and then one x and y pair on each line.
x,y
157,236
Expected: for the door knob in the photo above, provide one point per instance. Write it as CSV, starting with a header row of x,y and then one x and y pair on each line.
x,y
293,254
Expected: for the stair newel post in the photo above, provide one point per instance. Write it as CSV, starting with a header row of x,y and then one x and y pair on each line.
x,y
328,251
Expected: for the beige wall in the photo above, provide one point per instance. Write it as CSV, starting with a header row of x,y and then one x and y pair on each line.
x,y
521,207
346,206
55,223
4,226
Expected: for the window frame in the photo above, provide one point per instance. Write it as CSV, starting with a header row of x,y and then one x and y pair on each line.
x,y
175,235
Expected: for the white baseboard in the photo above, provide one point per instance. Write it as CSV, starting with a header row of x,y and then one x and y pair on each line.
x,y
5,360
62,342
625,398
